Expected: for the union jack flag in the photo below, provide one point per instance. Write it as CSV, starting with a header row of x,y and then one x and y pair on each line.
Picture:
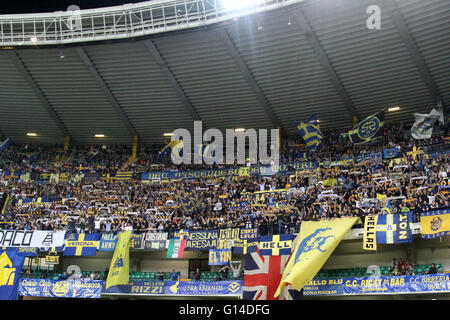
x,y
262,275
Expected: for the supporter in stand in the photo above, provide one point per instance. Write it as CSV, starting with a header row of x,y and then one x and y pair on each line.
x,y
432,269
197,275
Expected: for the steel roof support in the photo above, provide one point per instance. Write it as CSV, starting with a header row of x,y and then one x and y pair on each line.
x,y
108,93
405,34
37,91
308,32
153,50
232,49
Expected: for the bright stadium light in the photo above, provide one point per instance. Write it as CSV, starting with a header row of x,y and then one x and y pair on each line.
x,y
33,39
239,130
239,4
32,134
394,109
99,135
168,134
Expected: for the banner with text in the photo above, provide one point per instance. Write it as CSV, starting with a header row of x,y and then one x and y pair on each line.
x,y
60,289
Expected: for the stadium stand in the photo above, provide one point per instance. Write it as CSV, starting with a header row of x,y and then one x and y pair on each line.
x,y
99,171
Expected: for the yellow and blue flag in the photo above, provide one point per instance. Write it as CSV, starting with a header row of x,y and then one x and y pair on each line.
x,y
367,129
310,131
119,269
188,199
207,152
11,264
244,246
435,224
276,245
83,244
4,145
341,180
181,234
384,204
394,228
173,147
315,243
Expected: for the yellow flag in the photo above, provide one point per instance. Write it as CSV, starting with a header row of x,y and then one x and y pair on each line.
x,y
120,264
435,224
315,243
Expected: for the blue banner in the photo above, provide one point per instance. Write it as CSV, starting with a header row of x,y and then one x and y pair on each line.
x,y
189,288
107,242
391,153
61,289
254,170
202,288
378,285
202,239
28,252
11,264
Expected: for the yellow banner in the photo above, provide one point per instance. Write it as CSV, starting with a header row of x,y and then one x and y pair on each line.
x,y
120,264
435,223
370,233
315,243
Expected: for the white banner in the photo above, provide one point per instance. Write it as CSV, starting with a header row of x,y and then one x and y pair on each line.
x,y
35,239
423,125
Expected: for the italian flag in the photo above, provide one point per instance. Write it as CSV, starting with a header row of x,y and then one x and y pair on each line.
x,y
176,248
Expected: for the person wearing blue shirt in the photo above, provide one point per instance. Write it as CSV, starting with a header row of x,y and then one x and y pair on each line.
x,y
174,275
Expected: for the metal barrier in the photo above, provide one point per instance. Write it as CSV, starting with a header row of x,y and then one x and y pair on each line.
x,y
126,21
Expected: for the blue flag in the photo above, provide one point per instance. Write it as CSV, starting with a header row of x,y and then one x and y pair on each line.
x,y
394,228
175,147
390,153
11,264
276,245
341,180
310,131
367,129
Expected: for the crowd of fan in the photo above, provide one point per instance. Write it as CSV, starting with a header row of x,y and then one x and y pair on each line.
x,y
112,206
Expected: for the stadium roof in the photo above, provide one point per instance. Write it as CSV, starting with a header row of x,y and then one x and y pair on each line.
x,y
264,70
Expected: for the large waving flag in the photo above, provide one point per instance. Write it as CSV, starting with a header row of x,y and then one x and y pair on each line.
x,y
173,147
315,243
11,264
207,152
367,129
310,131
188,199
4,145
120,264
423,125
